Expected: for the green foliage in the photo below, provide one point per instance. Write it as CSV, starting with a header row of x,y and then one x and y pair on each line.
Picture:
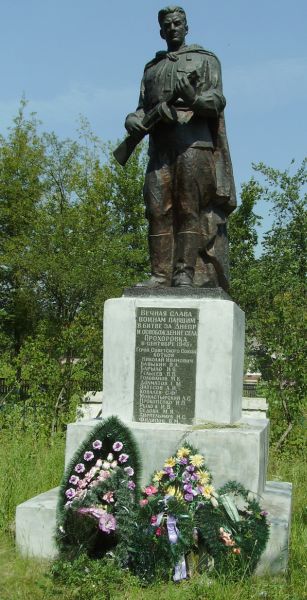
x,y
250,533
280,293
242,242
72,234
125,189
284,256
271,291
91,579
213,535
153,558
284,365
21,190
29,464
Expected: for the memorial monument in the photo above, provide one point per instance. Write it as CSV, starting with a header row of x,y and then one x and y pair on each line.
x,y
189,189
174,345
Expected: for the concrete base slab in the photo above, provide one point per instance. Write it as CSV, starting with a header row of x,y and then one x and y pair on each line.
x,y
277,500
232,452
35,525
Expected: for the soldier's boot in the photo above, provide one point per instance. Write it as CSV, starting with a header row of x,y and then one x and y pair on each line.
x,y
161,258
187,246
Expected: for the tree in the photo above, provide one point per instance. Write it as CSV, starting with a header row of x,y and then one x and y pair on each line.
x,y
271,291
125,193
73,234
243,240
83,240
21,190
284,255
281,293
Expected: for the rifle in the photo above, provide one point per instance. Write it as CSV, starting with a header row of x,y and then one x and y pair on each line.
x,y
164,111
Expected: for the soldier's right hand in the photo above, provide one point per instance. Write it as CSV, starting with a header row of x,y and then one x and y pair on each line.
x,y
133,124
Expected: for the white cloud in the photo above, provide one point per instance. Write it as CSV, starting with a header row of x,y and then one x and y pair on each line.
x,y
252,90
105,109
266,85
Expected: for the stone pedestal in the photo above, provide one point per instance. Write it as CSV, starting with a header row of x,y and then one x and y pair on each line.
x,y
173,359
232,452
173,373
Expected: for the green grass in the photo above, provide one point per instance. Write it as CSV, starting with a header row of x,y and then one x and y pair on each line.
x,y
29,467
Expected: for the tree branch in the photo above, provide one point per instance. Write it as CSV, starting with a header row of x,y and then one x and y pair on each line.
x,y
283,437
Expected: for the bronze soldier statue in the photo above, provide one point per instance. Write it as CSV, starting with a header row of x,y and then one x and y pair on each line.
x,y
189,189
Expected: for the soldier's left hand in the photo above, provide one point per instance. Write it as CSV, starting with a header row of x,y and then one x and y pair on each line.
x,y
185,90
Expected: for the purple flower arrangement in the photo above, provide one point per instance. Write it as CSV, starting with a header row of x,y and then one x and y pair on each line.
x,y
169,503
180,507
177,512
185,477
91,481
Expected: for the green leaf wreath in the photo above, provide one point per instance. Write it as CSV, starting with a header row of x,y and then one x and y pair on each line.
x,y
96,507
180,525
185,525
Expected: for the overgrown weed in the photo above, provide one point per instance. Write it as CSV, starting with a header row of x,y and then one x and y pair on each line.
x,y
29,465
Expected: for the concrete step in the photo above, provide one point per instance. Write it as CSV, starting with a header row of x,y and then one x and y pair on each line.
x,y
35,525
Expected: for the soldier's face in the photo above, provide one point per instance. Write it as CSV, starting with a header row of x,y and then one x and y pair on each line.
x,y
174,30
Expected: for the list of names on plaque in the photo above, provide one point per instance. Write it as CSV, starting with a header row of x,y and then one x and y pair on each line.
x,y
165,365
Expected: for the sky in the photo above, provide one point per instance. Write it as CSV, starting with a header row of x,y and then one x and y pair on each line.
x,y
71,58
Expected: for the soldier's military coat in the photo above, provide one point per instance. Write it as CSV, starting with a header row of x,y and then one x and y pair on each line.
x,y
200,125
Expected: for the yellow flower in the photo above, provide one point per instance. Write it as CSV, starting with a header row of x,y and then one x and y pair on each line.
x,y
204,477
173,491
170,462
208,491
197,460
158,475
182,452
